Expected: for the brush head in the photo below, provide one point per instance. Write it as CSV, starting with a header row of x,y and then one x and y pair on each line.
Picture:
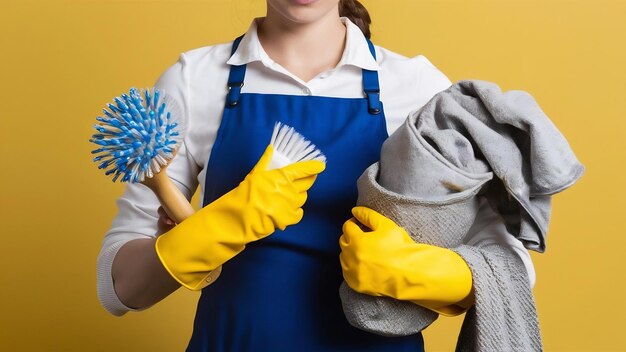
x,y
290,147
138,135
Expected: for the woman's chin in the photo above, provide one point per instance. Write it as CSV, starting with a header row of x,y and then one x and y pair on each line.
x,y
302,11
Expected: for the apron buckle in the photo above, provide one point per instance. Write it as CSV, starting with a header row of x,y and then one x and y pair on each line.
x,y
234,90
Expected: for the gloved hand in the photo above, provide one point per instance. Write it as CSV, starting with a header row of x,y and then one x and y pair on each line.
x,y
387,262
264,201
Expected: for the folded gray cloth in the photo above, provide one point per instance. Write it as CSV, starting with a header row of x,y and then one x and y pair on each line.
x,y
469,140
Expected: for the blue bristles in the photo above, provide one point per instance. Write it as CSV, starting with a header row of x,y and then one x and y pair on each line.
x,y
138,134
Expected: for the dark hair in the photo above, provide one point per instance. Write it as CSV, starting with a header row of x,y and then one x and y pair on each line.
x,y
357,13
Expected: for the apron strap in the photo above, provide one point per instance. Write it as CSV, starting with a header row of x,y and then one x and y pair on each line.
x,y
235,79
371,86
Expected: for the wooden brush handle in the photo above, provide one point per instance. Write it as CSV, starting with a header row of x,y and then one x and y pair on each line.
x,y
172,199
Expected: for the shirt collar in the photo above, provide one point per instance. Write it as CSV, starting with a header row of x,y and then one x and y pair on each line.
x,y
356,52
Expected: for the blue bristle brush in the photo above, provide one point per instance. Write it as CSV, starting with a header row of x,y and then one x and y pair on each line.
x,y
137,137
138,134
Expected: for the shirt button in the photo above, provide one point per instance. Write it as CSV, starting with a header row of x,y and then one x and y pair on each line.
x,y
306,91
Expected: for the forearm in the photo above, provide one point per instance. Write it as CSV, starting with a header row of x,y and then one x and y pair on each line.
x,y
139,278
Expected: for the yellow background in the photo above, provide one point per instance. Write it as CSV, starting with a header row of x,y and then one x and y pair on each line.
x,y
61,61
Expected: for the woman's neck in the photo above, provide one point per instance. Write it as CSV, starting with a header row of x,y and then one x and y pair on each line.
x,y
304,49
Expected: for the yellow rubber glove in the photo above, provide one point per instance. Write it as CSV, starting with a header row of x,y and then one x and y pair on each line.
x,y
387,262
261,203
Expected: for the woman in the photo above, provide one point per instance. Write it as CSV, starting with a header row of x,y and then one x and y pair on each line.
x,y
308,65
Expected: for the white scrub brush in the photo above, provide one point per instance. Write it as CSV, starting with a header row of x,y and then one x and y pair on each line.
x,y
290,147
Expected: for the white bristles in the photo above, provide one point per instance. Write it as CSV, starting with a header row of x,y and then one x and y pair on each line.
x,y
290,147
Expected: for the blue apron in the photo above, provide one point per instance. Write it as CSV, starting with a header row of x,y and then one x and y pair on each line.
x,y
282,292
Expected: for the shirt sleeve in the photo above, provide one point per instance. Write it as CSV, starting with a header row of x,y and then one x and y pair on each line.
x,y
137,208
430,80
489,226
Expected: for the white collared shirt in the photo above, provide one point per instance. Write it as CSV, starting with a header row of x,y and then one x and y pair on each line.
x,y
198,82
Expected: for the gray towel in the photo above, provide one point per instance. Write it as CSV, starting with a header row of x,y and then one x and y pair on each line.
x,y
504,317
468,141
